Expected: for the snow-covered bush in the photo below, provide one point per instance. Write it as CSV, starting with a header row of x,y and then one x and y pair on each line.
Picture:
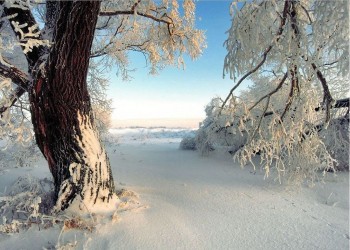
x,y
203,143
215,132
29,200
188,143
294,150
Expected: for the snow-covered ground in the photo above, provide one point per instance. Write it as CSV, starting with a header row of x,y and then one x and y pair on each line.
x,y
183,200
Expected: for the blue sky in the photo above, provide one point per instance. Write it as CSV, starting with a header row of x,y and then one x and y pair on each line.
x,y
177,93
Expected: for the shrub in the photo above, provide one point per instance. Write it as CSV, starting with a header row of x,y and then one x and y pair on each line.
x,y
188,143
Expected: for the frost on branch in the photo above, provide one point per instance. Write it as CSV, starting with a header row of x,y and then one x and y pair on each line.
x,y
15,126
296,56
157,29
101,105
27,201
292,150
30,39
20,4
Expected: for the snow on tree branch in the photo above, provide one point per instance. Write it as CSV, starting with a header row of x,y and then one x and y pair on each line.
x,y
9,75
26,29
17,93
289,52
30,39
17,76
154,28
164,19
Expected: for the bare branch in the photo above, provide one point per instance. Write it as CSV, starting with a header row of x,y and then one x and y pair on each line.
x,y
131,47
327,96
135,5
104,25
294,70
102,51
294,88
331,63
306,12
132,12
261,117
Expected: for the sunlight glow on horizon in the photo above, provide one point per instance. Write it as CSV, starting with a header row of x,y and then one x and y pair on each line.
x,y
157,110
177,93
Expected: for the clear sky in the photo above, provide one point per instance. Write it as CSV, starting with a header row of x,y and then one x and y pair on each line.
x,y
177,93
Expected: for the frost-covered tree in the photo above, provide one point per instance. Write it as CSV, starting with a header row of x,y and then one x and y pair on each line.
x,y
45,51
296,54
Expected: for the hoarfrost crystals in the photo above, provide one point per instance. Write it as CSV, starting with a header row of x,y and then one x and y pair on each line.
x,y
291,51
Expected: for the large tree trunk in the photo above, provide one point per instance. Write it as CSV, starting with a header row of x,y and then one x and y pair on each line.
x,y
62,116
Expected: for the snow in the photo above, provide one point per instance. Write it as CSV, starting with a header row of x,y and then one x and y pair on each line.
x,y
181,200
89,142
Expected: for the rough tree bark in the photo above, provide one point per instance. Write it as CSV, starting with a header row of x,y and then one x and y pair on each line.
x,y
62,115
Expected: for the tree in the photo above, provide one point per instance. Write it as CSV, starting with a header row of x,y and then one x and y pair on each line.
x,y
296,55
54,76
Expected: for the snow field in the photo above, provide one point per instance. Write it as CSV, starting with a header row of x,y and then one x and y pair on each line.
x,y
186,201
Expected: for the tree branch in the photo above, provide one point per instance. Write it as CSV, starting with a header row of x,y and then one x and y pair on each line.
x,y
105,25
307,13
132,12
135,5
17,76
327,96
294,88
272,92
342,103
261,117
294,70
24,16
102,51
17,93
266,52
